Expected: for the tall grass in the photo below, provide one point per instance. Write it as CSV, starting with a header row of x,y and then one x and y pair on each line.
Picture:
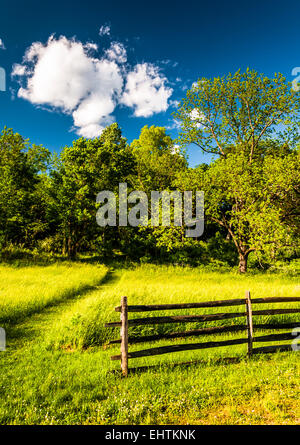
x,y
27,290
83,325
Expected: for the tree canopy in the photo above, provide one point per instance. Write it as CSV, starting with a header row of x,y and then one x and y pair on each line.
x,y
251,123
239,112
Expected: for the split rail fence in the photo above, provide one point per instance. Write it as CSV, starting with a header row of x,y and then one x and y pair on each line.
x,y
125,323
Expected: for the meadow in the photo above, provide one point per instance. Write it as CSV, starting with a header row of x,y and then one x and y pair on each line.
x,y
57,368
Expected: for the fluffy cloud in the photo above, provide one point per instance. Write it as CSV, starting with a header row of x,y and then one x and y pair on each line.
x,y
175,125
104,30
18,70
91,46
116,52
2,46
64,74
146,90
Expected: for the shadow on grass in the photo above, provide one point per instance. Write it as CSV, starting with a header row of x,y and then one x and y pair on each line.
x,y
182,365
267,355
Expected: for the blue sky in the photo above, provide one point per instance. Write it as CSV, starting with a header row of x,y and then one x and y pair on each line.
x,y
158,46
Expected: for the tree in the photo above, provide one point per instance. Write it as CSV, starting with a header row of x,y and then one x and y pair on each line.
x,y
251,123
158,159
252,201
21,172
239,112
82,171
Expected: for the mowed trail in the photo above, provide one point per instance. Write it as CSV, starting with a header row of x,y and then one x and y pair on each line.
x,y
29,365
36,326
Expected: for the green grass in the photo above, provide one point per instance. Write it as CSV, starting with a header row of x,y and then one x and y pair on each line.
x,y
57,368
26,290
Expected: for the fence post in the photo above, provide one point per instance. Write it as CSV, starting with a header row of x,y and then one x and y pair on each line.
x,y
124,336
249,322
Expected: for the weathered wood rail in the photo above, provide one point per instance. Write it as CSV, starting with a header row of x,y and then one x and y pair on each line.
x,y
249,313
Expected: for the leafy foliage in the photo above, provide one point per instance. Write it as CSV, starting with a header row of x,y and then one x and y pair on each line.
x,y
248,121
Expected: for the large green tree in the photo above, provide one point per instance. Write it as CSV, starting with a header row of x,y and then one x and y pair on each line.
x,y
251,124
22,170
82,171
257,204
239,112
158,159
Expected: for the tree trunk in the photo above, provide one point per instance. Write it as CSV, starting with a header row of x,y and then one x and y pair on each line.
x,y
243,259
71,248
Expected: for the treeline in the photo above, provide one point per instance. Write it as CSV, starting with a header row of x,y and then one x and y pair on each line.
x,y
48,202
251,189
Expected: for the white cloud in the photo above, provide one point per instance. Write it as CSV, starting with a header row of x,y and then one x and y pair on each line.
x,y
174,103
146,90
94,112
18,70
175,149
197,117
64,74
104,30
117,52
169,62
175,125
91,46
2,46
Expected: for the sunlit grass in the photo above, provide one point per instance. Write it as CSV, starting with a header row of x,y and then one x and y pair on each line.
x,y
61,372
83,325
26,290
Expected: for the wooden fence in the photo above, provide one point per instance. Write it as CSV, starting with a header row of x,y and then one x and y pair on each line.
x,y
125,323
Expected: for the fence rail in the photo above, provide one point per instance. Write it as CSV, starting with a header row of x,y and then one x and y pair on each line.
x,y
125,323
217,303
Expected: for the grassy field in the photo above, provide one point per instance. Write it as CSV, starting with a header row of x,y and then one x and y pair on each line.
x,y
57,367
26,290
